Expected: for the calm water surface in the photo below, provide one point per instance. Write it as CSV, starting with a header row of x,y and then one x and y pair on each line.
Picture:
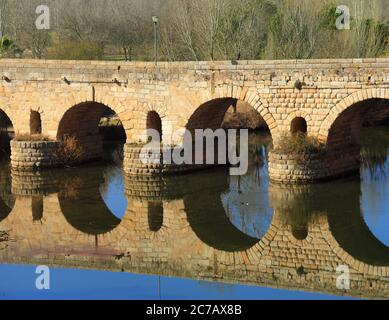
x,y
205,235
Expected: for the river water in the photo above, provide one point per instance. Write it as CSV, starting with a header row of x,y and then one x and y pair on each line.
x,y
204,235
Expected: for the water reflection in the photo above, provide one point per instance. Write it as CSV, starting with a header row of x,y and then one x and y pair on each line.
x,y
246,198
207,217
112,191
7,200
83,205
208,223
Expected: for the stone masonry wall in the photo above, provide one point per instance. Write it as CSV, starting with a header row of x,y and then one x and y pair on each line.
x,y
311,167
29,156
150,162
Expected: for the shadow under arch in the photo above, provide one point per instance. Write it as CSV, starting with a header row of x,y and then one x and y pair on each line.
x,y
7,199
350,230
81,202
6,135
345,133
206,214
226,113
83,122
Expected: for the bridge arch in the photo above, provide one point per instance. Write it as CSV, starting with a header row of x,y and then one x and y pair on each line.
x,y
6,132
153,116
35,122
239,94
355,98
342,130
82,121
211,114
298,121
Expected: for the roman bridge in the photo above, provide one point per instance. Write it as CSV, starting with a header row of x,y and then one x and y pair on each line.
x,y
328,99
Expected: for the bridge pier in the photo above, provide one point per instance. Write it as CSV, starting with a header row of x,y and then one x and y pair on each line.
x,y
313,167
140,161
33,155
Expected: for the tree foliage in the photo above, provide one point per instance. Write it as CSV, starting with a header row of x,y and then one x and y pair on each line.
x,y
197,29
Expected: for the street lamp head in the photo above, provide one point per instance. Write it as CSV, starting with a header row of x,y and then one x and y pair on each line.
x,y
155,19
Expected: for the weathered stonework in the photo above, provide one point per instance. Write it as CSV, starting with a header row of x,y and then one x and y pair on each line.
x,y
29,156
30,183
298,168
337,98
150,162
311,167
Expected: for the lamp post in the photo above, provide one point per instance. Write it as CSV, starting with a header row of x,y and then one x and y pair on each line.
x,y
156,21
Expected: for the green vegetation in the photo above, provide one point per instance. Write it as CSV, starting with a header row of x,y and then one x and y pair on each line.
x,y
7,47
196,29
75,50
69,151
374,150
31,137
299,143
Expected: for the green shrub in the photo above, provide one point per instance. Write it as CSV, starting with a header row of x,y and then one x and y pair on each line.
x,y
299,143
75,50
69,151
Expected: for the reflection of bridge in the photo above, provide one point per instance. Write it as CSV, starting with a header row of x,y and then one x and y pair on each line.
x,y
330,100
168,233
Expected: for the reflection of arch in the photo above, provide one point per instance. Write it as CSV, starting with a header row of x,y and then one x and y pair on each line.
x,y
207,217
82,204
351,231
300,232
7,200
37,208
5,208
155,215
82,122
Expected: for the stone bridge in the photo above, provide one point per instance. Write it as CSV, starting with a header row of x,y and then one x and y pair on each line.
x,y
329,99
169,232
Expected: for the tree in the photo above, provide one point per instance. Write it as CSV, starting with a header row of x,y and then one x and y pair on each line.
x,y
294,31
8,48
